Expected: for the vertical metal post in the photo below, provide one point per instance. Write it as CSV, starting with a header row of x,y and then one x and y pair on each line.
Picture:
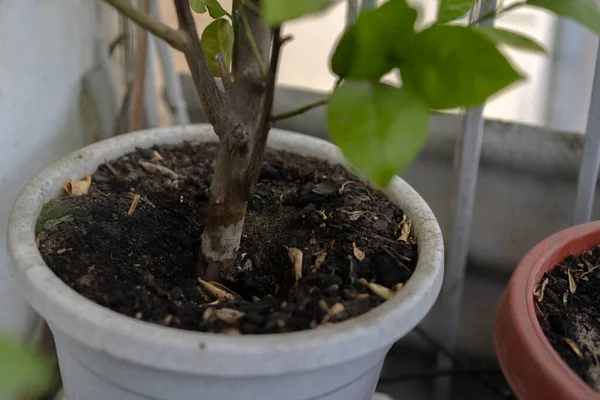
x,y
150,95
368,4
173,88
450,300
588,173
351,11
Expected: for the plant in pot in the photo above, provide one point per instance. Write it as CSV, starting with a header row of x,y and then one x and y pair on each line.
x,y
272,274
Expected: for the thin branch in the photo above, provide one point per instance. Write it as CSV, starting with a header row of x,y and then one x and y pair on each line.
x,y
210,95
441,348
252,7
226,77
250,38
122,38
298,111
265,118
497,13
168,34
272,78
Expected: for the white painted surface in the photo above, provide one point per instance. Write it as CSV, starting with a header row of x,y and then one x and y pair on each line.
x,y
45,48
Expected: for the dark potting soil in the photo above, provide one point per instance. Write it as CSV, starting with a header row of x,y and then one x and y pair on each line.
x,y
140,260
569,313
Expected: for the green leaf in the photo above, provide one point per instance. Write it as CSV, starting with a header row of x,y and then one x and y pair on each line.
x,y
586,12
455,66
198,6
20,369
275,12
449,10
215,10
217,38
514,39
368,48
379,128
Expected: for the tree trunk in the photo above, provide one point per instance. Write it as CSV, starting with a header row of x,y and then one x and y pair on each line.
x,y
240,115
241,150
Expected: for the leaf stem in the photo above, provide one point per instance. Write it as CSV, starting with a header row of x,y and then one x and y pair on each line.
x,y
497,12
298,111
250,38
253,7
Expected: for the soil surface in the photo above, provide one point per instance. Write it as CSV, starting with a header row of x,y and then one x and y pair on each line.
x,y
569,313
139,260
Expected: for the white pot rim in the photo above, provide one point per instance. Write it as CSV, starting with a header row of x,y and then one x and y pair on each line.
x,y
177,350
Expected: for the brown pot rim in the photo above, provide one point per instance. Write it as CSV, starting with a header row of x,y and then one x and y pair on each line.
x,y
533,369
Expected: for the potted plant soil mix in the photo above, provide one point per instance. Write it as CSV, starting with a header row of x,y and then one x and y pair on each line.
x,y
547,326
236,261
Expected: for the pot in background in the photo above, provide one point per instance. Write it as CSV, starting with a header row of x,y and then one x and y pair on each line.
x,y
533,369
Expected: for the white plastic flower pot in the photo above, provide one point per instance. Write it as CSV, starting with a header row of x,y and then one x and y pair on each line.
x,y
105,355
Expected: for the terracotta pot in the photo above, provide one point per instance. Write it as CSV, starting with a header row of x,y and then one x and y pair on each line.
x,y
534,370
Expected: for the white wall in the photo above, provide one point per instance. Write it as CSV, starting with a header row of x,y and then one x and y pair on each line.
x,y
45,48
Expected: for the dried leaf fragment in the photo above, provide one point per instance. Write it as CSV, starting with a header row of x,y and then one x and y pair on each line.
x,y
397,287
573,347
131,195
229,315
358,253
134,204
217,291
156,156
572,286
538,292
327,187
322,214
538,311
336,309
295,256
86,280
405,229
154,169
209,314
354,215
320,259
78,188
377,289
55,222
341,189
362,296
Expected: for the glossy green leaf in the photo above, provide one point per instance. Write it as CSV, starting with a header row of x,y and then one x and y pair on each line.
x,y
379,128
20,369
449,10
586,12
275,12
198,6
217,38
510,38
368,48
216,10
455,66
